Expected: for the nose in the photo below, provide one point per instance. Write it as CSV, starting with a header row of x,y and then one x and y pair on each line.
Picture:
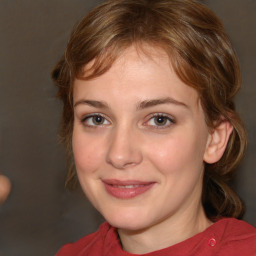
x,y
124,150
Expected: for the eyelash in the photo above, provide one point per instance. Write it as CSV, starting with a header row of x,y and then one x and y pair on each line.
x,y
167,119
87,118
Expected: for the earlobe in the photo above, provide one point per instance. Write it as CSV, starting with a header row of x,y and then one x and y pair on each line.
x,y
217,142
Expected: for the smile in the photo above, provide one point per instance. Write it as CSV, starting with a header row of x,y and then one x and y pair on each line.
x,y
127,186
126,189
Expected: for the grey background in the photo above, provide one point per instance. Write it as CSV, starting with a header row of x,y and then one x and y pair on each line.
x,y
40,215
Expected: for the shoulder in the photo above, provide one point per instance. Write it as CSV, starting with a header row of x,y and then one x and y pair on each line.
x,y
236,237
234,228
92,243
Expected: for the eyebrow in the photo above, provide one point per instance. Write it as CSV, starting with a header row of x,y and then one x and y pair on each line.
x,y
142,105
154,102
92,103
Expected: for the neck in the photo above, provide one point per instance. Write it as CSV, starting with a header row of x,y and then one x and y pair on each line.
x,y
171,231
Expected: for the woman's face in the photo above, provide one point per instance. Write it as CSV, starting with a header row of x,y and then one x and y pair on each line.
x,y
139,142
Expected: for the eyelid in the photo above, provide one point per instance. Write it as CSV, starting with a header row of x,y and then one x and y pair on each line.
x,y
84,117
170,118
91,115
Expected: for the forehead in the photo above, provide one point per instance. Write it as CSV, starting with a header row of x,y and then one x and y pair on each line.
x,y
139,72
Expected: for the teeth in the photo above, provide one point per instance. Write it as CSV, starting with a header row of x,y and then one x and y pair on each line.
x,y
127,186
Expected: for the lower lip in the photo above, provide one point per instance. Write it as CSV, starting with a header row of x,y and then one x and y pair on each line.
x,y
127,193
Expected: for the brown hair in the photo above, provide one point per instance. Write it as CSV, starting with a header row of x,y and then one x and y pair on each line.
x,y
202,57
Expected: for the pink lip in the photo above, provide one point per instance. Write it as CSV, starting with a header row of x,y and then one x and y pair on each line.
x,y
127,189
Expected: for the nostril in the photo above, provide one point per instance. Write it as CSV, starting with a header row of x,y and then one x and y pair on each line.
x,y
123,149
120,163
122,159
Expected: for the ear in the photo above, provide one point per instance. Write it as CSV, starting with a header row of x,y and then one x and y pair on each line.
x,y
217,142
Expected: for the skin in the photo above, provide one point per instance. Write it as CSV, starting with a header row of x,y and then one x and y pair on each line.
x,y
129,143
5,188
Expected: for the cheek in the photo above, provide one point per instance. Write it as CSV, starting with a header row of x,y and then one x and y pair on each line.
x,y
176,155
87,153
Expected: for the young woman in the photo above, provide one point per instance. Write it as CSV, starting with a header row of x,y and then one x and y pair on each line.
x,y
150,124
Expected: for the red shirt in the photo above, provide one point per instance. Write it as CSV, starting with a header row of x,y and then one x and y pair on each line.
x,y
226,237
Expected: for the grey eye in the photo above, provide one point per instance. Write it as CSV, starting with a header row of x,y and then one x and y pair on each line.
x,y
95,120
98,120
160,120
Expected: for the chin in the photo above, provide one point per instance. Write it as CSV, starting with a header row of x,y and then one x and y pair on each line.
x,y
127,220
128,225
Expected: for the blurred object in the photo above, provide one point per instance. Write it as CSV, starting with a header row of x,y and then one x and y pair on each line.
x,y
5,188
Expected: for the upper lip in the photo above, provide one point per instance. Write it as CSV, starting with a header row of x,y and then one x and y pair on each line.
x,y
126,182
